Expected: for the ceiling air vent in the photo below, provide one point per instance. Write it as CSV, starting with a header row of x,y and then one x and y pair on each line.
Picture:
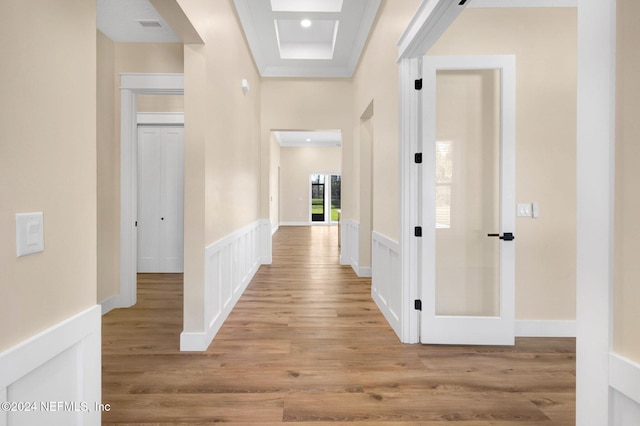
x,y
150,23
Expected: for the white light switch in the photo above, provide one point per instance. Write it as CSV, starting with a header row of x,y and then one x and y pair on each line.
x,y
524,210
29,233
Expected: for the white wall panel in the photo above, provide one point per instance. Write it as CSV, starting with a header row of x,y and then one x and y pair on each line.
x,y
385,281
57,372
230,264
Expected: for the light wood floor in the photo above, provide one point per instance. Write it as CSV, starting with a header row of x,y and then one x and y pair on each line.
x,y
307,345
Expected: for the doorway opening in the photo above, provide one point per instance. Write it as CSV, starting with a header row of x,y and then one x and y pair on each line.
x,y
325,198
132,85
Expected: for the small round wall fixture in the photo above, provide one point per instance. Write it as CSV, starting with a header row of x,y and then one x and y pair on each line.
x,y
306,23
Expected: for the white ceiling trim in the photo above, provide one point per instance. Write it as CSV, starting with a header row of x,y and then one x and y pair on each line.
x,y
352,36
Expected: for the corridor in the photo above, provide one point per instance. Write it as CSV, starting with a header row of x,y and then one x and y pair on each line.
x,y
306,344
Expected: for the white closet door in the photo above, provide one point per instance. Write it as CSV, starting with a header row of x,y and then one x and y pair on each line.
x,y
160,199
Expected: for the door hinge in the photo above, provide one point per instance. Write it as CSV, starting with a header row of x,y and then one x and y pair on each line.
x,y
417,158
417,231
462,2
418,84
417,304
136,225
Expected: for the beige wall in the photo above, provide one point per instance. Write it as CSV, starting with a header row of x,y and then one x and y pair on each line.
x,y
274,182
306,104
627,226
297,165
222,142
376,79
47,162
108,201
113,59
544,41
160,103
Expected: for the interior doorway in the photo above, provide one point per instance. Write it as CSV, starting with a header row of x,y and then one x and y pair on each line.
x,y
132,85
325,198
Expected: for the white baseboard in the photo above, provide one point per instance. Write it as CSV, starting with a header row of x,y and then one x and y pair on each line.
x,y
275,229
308,224
60,365
364,272
544,328
109,304
230,264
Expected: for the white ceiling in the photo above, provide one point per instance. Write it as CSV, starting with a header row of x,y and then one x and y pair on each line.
x,y
281,47
120,20
330,138
336,37
330,47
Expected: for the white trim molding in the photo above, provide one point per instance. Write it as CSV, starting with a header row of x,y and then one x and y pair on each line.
x,y
410,143
230,264
61,364
431,19
545,328
130,86
160,118
295,224
624,376
595,161
385,276
624,380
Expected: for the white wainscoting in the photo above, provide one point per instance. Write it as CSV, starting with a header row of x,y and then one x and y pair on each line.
x,y
230,264
385,280
59,370
624,378
350,243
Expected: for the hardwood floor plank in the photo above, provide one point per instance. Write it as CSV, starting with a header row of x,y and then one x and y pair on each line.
x,y
306,345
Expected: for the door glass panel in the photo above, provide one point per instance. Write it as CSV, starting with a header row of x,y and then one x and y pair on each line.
x,y
335,197
467,192
317,198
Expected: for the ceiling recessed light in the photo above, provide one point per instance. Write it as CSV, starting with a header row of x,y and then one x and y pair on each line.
x,y
306,23
308,140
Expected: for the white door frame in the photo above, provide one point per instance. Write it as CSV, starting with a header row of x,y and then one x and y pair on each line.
x,y
595,171
130,86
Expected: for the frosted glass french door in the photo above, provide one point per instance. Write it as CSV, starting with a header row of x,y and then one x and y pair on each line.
x,y
160,199
468,200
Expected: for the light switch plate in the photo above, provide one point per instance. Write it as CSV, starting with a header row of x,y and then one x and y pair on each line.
x,y
524,210
535,210
29,233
